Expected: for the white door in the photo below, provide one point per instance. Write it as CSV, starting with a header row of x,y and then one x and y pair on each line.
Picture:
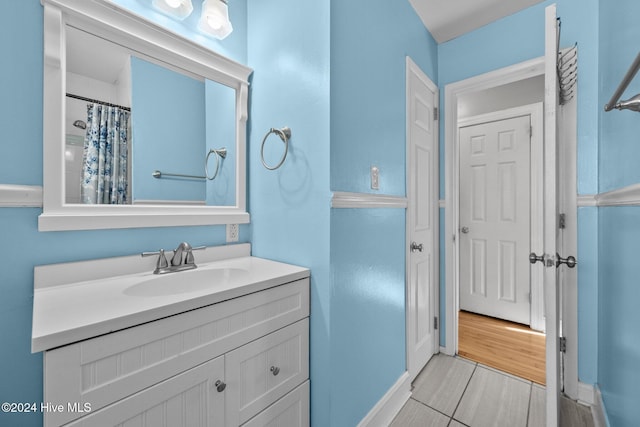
x,y
550,220
422,219
495,218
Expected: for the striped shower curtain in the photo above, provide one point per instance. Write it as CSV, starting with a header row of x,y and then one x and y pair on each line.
x,y
104,170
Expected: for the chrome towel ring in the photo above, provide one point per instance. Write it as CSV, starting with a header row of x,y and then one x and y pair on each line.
x,y
284,134
220,153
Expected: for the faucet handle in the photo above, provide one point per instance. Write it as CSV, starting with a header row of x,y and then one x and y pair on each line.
x,y
162,259
189,257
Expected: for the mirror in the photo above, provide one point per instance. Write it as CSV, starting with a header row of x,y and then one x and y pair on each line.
x,y
178,118
170,105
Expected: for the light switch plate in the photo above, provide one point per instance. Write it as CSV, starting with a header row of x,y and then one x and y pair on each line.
x,y
375,178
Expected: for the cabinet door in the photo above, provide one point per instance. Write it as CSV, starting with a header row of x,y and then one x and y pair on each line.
x,y
291,411
108,368
264,370
190,399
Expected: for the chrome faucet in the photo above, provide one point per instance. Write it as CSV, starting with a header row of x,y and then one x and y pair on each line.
x,y
183,255
182,259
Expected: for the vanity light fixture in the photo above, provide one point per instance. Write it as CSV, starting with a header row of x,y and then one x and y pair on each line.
x,y
178,9
215,18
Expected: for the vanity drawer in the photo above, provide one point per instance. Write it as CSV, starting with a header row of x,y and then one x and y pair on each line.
x,y
292,410
189,399
111,367
264,370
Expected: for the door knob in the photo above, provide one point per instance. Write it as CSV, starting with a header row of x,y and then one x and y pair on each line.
x,y
464,230
416,247
220,386
275,370
570,261
533,258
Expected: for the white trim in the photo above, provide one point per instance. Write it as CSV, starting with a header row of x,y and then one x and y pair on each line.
x,y
347,200
583,200
587,200
586,393
111,22
20,196
598,410
625,196
391,403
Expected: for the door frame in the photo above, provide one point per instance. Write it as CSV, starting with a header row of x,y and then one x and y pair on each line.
x,y
535,112
413,68
452,92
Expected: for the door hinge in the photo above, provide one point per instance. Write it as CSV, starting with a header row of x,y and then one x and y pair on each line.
x,y
435,113
562,341
435,323
562,221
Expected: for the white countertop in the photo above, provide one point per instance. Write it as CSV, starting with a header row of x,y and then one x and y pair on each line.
x,y
66,311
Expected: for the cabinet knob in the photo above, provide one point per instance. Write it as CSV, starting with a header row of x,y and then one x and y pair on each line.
x,y
275,370
220,386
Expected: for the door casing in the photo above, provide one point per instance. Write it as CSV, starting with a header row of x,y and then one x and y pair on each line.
x,y
452,92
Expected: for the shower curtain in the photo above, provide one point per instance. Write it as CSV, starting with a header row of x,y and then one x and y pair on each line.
x,y
104,170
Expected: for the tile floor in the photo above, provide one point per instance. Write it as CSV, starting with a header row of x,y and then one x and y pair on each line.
x,y
455,392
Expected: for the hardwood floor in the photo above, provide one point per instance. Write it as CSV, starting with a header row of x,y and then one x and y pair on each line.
x,y
507,346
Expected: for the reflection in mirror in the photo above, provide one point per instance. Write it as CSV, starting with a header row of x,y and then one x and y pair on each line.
x,y
163,129
128,116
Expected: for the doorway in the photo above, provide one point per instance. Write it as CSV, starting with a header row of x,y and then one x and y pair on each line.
x,y
504,79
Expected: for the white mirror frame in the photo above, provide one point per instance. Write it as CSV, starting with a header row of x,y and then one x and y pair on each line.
x,y
121,26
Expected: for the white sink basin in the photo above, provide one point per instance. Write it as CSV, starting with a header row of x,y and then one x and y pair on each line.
x,y
184,282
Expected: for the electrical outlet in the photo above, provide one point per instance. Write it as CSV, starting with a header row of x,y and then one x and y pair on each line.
x,y
232,232
375,178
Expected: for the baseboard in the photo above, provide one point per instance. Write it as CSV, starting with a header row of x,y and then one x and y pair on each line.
x,y
598,410
388,407
586,394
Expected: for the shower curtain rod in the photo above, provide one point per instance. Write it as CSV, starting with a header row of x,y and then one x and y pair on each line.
x,y
97,101
623,84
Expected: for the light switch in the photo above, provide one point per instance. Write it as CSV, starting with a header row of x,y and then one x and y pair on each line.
x,y
375,178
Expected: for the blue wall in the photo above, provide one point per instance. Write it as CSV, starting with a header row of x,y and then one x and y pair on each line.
x,y
489,48
168,132
367,309
368,52
619,317
619,227
289,52
368,127
221,133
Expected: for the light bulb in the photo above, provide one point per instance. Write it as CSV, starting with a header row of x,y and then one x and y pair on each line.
x,y
215,21
174,3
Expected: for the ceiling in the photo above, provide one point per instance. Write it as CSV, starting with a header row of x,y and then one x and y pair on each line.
x,y
448,19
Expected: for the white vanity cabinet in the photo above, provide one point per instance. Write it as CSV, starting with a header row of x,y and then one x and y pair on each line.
x,y
243,360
